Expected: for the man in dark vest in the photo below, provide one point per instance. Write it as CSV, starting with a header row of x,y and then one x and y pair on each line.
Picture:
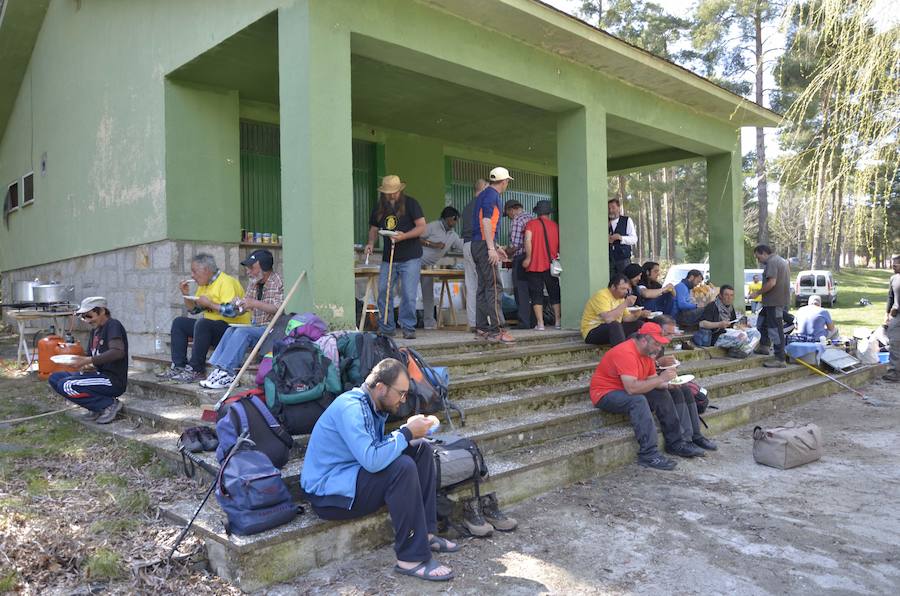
x,y
622,236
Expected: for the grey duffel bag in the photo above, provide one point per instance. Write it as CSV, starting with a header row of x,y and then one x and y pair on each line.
x,y
788,446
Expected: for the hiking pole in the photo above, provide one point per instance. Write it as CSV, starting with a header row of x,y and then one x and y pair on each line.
x,y
194,517
256,348
387,300
867,399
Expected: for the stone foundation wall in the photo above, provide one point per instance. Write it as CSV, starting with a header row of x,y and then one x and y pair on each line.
x,y
140,283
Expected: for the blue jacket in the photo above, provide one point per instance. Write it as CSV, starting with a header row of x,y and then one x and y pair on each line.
x,y
348,436
682,298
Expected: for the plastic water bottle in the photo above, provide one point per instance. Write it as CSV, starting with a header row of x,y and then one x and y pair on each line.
x,y
157,342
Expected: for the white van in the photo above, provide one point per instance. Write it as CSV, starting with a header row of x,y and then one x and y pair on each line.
x,y
815,281
678,272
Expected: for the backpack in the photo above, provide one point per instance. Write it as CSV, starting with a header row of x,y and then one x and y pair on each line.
x,y
302,383
428,389
249,415
251,492
360,352
457,460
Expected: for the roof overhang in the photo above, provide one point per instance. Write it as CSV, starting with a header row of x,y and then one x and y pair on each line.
x,y
20,23
538,24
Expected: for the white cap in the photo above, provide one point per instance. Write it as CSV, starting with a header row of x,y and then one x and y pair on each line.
x,y
500,174
815,299
89,304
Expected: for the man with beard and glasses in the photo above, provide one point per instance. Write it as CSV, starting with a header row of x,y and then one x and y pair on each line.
x,y
352,468
264,295
626,382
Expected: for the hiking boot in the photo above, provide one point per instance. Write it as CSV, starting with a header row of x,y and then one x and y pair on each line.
x,y
686,450
208,438
492,514
171,372
219,379
705,443
110,412
892,376
657,462
91,415
409,334
775,362
473,519
190,440
188,375
761,349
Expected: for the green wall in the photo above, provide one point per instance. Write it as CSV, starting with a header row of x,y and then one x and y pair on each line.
x,y
203,192
419,161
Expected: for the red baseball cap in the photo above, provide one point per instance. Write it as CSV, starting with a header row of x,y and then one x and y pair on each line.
x,y
654,331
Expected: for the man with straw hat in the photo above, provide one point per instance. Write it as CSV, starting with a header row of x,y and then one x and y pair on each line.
x,y
399,218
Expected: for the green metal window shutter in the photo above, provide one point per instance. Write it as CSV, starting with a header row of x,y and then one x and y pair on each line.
x,y
365,185
528,188
260,177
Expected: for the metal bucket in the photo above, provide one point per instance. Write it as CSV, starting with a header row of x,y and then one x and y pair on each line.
x,y
23,291
52,293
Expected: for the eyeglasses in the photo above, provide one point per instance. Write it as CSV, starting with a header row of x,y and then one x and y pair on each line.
x,y
402,394
87,316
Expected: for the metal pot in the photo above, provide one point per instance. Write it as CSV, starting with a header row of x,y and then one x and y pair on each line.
x,y
23,291
51,292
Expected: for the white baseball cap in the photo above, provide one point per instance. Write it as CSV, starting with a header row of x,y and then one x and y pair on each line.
x,y
500,174
89,304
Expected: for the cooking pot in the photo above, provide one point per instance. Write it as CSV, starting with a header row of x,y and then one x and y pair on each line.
x,y
22,291
51,292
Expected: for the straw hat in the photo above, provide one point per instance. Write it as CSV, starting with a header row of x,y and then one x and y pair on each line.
x,y
391,184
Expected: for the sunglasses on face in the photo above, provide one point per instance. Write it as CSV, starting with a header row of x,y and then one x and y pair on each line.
x,y
87,316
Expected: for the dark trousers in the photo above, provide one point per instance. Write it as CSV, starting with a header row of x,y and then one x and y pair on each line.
x,y
771,327
407,487
537,281
206,333
639,408
612,333
93,391
618,266
523,297
686,407
487,299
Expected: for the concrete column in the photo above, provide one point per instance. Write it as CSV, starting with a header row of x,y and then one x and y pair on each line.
x,y
726,222
316,161
581,162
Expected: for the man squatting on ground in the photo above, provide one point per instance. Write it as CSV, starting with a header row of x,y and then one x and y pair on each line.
x,y
97,391
626,382
892,323
352,469
264,295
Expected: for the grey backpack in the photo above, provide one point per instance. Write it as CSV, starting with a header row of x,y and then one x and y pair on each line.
x,y
787,446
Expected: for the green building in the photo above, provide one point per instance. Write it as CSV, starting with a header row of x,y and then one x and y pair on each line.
x,y
136,134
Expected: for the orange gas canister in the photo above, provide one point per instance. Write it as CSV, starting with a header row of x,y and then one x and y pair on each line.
x,y
51,346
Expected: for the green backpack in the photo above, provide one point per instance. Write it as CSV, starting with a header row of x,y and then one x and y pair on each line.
x,y
300,373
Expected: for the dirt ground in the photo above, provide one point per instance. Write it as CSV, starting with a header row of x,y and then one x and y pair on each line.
x,y
77,511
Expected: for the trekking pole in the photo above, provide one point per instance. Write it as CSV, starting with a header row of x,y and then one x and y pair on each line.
x,y
215,474
259,343
387,300
865,397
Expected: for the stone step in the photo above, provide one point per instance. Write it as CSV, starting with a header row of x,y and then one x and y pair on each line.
x,y
439,343
158,362
308,542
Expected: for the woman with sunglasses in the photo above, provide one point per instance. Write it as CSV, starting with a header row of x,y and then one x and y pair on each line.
x,y
97,391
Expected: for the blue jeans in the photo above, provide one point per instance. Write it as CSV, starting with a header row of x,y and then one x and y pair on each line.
x,y
230,352
407,272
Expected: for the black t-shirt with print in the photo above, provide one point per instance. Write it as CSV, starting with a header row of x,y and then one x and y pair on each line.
x,y
408,249
117,371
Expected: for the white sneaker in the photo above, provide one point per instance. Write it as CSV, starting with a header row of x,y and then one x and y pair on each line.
x,y
223,381
212,378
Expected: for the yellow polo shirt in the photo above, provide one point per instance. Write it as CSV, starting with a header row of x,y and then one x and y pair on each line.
x,y
755,286
221,290
602,301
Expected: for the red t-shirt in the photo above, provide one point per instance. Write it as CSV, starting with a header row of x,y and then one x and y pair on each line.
x,y
539,259
623,359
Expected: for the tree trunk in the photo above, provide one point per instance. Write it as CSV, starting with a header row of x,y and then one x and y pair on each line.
x,y
621,191
762,188
657,220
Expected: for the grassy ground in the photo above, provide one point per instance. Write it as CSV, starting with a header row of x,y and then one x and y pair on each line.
x,y
854,284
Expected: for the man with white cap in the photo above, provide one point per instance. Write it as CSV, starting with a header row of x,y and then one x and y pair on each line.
x,y
487,256
812,322
108,345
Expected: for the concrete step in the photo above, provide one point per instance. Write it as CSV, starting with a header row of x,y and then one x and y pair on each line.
x,y
308,542
440,343
158,362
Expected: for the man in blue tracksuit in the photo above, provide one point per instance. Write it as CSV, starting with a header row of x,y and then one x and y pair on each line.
x,y
352,469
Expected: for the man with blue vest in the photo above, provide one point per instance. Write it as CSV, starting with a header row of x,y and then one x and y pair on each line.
x,y
622,236
352,469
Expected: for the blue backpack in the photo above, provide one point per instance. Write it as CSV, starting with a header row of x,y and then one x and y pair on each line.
x,y
251,492
249,415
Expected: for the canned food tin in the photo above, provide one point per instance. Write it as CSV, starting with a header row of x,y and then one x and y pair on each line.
x,y
257,237
267,238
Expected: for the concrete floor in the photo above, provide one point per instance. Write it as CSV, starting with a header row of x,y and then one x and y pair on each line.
x,y
720,525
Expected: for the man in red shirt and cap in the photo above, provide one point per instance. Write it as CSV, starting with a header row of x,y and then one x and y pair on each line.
x,y
626,382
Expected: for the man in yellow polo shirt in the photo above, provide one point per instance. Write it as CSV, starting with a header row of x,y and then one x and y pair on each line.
x,y
215,298
606,318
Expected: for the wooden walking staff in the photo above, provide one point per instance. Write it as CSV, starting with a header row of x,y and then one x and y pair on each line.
x,y
209,415
387,300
